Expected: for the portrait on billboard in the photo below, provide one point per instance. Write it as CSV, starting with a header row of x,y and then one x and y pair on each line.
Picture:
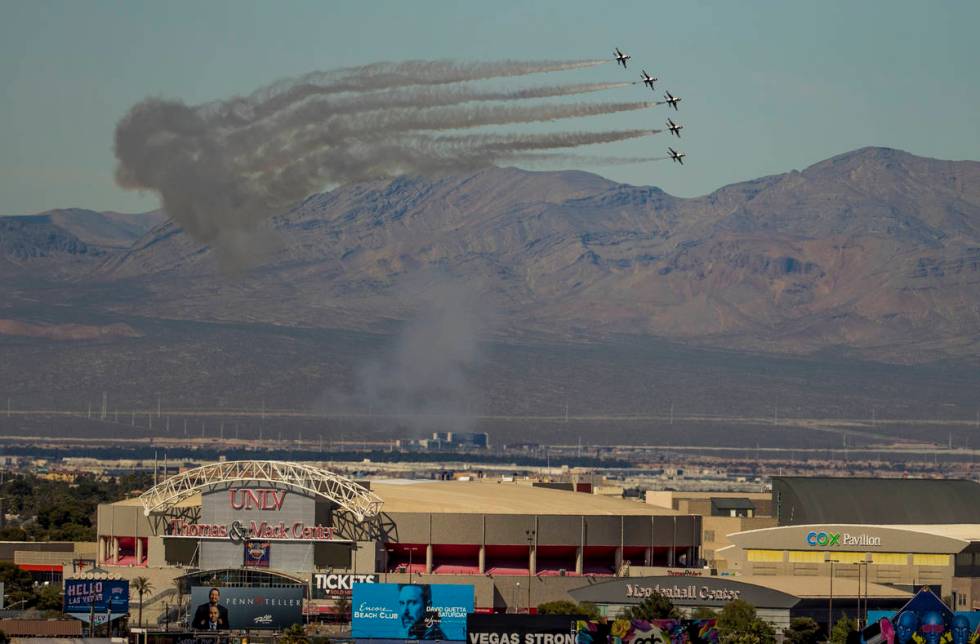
x,y
211,615
257,554
411,611
218,609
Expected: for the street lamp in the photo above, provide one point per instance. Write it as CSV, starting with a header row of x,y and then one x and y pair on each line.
x,y
530,561
517,597
863,617
830,603
410,549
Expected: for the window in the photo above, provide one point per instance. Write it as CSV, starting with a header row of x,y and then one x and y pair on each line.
x,y
848,557
764,555
890,558
930,560
806,556
709,535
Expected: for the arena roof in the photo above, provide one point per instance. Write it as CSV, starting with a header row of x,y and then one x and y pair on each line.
x,y
811,500
495,497
300,477
485,497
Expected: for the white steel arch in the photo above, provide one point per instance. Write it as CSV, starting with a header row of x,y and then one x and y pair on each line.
x,y
350,496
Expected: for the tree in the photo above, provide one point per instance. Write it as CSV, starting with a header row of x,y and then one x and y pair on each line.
x,y
142,586
343,608
703,612
738,623
802,630
294,635
49,598
843,626
565,607
656,606
17,584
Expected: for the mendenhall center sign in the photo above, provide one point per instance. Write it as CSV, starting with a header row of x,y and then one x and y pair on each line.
x,y
704,591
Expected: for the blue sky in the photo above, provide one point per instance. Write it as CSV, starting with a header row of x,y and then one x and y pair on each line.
x,y
768,86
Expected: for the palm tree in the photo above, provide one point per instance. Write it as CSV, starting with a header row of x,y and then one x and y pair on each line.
x,y
142,586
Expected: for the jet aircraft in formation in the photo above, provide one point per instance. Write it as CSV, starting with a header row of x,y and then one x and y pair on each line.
x,y
621,58
669,99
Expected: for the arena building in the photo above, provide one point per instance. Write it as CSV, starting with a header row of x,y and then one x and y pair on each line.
x,y
777,599
277,524
900,532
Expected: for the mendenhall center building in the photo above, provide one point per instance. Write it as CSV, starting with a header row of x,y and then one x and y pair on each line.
x,y
284,524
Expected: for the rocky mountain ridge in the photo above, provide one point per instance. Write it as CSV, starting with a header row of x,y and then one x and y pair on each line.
x,y
875,251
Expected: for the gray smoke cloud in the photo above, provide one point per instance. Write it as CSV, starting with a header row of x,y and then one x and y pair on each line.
x,y
221,169
426,381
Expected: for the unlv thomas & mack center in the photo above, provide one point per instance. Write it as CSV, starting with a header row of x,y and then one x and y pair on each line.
x,y
271,524
275,524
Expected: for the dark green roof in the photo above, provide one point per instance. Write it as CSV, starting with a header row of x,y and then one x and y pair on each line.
x,y
799,500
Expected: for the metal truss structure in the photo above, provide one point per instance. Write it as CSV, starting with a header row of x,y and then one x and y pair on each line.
x,y
351,497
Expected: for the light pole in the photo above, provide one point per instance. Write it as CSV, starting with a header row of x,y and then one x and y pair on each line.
x,y
830,603
530,564
863,615
517,597
410,551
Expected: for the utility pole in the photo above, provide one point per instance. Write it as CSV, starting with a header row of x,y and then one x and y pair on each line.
x,y
830,602
531,560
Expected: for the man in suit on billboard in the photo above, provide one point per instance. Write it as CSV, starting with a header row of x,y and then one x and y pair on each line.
x,y
205,612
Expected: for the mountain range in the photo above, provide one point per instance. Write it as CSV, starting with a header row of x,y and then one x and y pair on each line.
x,y
874,253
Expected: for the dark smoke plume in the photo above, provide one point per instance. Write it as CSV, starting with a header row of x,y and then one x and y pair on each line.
x,y
223,168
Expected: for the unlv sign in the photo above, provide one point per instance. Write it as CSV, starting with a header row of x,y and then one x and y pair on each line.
x,y
246,499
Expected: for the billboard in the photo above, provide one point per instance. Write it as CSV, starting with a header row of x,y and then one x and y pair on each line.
x,y
257,554
241,608
655,631
335,585
925,619
411,611
520,629
84,596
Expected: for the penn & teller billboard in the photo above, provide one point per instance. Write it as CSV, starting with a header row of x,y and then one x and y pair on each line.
x,y
245,608
411,611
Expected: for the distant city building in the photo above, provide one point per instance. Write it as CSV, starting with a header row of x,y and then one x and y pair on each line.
x,y
448,441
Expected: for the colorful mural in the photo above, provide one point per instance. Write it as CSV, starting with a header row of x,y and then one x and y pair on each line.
x,y
658,631
925,619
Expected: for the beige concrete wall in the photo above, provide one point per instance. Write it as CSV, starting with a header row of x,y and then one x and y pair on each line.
x,y
715,531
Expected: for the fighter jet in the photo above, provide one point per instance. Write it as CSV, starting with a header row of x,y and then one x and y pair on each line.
x,y
648,80
674,128
621,57
672,100
677,156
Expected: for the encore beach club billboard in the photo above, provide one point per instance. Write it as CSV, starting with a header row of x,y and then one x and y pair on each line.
x,y
411,611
